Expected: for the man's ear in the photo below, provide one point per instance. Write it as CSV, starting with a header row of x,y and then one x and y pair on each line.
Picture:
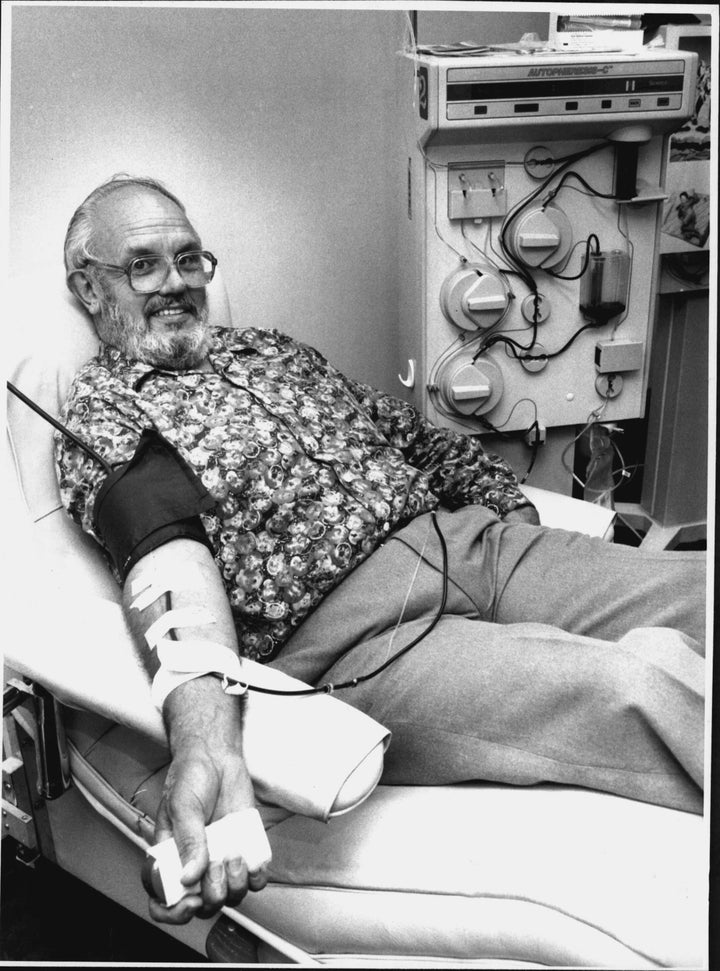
x,y
86,290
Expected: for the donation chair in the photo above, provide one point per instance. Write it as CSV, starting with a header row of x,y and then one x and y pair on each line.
x,y
476,875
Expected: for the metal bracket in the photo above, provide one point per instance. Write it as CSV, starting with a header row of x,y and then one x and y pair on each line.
x,y
18,824
17,819
32,767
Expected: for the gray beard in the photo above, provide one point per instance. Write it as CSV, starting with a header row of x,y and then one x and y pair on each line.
x,y
176,352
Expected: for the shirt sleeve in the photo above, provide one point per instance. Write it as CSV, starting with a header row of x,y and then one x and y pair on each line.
x,y
102,414
460,471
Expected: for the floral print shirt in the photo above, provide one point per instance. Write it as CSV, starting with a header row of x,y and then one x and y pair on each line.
x,y
310,470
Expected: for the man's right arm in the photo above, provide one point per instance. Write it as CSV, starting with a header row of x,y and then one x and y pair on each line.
x,y
207,778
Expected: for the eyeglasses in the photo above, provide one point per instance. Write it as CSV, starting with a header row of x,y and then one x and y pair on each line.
x,y
147,274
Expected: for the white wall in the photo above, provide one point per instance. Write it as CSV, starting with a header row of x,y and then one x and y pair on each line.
x,y
275,126
488,23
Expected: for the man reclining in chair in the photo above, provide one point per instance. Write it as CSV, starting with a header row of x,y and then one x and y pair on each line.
x,y
321,526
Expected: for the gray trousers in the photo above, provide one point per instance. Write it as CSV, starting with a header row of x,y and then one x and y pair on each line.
x,y
558,658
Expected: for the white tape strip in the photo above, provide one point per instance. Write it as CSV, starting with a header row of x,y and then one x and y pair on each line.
x,y
184,656
158,580
183,661
152,593
175,619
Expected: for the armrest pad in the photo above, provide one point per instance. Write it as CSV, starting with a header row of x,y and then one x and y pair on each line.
x,y
564,512
313,755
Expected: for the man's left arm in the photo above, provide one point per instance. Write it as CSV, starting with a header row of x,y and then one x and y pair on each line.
x,y
461,471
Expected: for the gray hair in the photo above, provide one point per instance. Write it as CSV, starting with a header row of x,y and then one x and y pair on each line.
x,y
80,229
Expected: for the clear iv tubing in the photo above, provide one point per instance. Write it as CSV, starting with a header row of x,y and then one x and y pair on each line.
x,y
591,419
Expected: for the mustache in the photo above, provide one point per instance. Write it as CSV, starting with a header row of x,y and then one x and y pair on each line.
x,y
165,303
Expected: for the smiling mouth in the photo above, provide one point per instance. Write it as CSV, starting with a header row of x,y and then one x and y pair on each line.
x,y
170,314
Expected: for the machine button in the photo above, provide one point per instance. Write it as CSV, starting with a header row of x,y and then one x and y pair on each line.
x,y
606,103
634,102
663,102
571,106
524,108
480,109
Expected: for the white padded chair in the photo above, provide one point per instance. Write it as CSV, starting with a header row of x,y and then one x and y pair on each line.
x,y
470,875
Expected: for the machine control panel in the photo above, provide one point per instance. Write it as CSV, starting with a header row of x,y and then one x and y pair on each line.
x,y
534,190
545,88
589,88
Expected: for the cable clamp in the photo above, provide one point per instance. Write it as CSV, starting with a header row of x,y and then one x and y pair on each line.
x,y
233,687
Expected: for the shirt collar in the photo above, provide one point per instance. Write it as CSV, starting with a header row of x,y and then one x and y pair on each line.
x,y
223,340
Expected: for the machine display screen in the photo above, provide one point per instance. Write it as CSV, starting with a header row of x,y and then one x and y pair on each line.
x,y
563,87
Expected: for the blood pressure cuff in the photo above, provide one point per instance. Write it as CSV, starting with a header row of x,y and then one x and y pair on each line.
x,y
152,499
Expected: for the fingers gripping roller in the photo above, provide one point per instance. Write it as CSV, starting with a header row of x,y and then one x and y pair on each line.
x,y
239,834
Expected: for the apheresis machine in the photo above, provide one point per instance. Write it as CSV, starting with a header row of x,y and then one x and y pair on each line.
x,y
530,237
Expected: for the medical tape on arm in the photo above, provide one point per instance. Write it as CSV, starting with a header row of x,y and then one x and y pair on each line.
x,y
176,619
154,582
182,661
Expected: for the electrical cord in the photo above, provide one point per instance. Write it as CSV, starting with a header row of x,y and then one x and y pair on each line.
x,y
566,345
593,192
524,272
518,208
520,401
535,449
586,260
60,427
517,267
535,426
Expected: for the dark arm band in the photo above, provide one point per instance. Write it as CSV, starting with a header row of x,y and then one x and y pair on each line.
x,y
152,499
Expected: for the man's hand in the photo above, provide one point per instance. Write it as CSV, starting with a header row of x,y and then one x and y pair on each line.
x,y
207,780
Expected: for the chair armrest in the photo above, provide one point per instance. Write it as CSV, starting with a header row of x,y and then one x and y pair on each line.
x,y
314,755
564,512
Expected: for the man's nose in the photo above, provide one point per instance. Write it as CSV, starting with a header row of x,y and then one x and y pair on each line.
x,y
173,282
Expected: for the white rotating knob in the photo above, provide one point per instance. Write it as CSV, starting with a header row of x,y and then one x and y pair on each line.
x,y
541,237
475,297
470,387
